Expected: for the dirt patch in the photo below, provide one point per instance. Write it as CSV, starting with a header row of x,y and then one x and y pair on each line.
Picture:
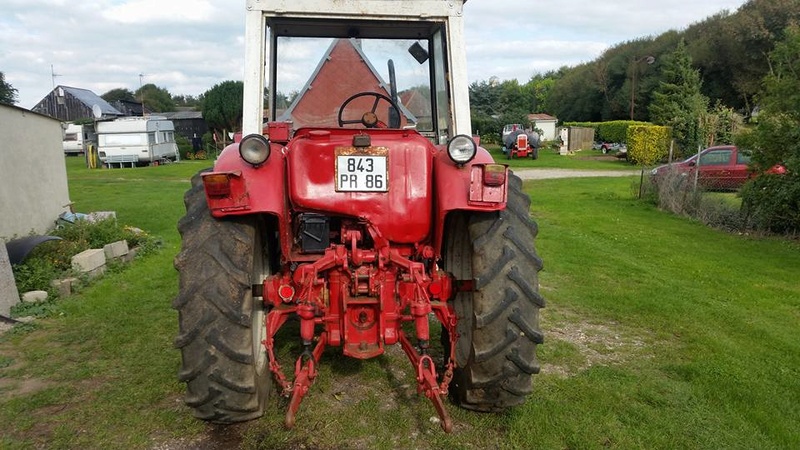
x,y
17,387
599,344
215,437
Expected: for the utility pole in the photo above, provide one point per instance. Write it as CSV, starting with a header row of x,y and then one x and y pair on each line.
x,y
141,93
634,63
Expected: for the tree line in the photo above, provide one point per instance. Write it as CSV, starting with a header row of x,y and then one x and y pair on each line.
x,y
728,51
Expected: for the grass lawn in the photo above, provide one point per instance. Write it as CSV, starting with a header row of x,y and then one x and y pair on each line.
x,y
550,159
659,333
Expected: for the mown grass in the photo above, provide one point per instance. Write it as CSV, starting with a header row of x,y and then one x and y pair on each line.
x,y
550,159
660,333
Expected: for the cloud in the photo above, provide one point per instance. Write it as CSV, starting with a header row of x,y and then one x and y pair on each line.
x,y
160,11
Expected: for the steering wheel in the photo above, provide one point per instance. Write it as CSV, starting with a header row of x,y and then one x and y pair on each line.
x,y
369,119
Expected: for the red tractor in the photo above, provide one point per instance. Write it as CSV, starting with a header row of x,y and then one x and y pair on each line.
x,y
362,215
520,144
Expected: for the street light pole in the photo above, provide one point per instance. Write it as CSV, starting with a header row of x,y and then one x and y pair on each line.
x,y
634,63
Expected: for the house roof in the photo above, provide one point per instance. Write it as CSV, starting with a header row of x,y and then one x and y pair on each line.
x,y
541,116
90,99
328,71
182,115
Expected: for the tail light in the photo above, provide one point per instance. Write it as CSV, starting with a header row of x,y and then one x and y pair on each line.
x,y
494,175
217,184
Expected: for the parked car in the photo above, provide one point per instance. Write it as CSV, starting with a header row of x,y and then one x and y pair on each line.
x,y
620,149
724,167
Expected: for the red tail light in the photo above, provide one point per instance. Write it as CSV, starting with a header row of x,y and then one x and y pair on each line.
x,y
494,175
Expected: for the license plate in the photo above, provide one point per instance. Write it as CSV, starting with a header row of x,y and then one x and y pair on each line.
x,y
362,170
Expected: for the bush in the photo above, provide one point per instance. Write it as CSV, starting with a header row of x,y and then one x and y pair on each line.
x,y
53,259
647,144
184,146
772,203
611,131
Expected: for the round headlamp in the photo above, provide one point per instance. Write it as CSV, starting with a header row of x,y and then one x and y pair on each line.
x,y
254,148
461,149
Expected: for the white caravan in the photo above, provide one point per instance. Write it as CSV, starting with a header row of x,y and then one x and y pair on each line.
x,y
136,140
74,139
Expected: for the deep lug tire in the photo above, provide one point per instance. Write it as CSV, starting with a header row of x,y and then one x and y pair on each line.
x,y
221,324
498,324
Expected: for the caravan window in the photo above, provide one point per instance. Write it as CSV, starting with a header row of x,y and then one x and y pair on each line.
x,y
122,139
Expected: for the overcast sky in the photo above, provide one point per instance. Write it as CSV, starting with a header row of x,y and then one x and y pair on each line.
x,y
187,46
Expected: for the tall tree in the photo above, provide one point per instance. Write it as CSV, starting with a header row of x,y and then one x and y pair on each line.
x,y
678,102
222,105
118,94
776,138
773,201
154,98
8,93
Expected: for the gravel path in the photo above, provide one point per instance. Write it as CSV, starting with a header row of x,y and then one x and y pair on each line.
x,y
541,174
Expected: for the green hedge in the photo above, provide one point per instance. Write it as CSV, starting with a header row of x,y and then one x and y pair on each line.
x,y
612,131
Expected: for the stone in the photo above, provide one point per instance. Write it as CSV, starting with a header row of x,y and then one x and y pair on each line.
x,y
89,260
34,296
9,295
64,286
131,255
101,215
116,250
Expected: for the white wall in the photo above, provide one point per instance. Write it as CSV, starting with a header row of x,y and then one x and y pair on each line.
x,y
548,128
33,175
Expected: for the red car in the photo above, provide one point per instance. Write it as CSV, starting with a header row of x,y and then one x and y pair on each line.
x,y
721,167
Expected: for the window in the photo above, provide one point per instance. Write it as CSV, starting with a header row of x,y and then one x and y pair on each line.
x,y
716,158
743,157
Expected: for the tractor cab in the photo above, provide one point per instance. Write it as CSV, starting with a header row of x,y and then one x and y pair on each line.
x,y
362,64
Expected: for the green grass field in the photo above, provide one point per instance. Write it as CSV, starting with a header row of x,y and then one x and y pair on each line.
x,y
659,333
550,159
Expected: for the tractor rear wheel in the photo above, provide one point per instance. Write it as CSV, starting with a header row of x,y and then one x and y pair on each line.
x,y
221,323
498,323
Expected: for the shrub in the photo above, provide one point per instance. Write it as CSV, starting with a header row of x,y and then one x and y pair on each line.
x,y
611,131
35,274
53,259
647,144
772,203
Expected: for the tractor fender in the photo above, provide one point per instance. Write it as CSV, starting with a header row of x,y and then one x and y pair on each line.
x,y
452,186
18,249
259,189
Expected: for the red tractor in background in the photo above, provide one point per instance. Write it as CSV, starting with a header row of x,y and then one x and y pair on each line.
x,y
362,216
521,144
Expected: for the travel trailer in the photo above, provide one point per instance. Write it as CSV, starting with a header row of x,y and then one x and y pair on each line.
x,y
74,139
136,141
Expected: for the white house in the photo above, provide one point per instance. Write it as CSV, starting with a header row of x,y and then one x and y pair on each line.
x,y
546,123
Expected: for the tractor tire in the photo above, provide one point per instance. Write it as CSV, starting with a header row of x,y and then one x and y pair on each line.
x,y
221,323
535,153
498,322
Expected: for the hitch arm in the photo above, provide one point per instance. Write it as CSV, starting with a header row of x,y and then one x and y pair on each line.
x,y
305,374
426,381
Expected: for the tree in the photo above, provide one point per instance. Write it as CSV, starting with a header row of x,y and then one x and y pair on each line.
x,y
222,105
8,93
773,201
678,102
188,101
118,94
154,98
